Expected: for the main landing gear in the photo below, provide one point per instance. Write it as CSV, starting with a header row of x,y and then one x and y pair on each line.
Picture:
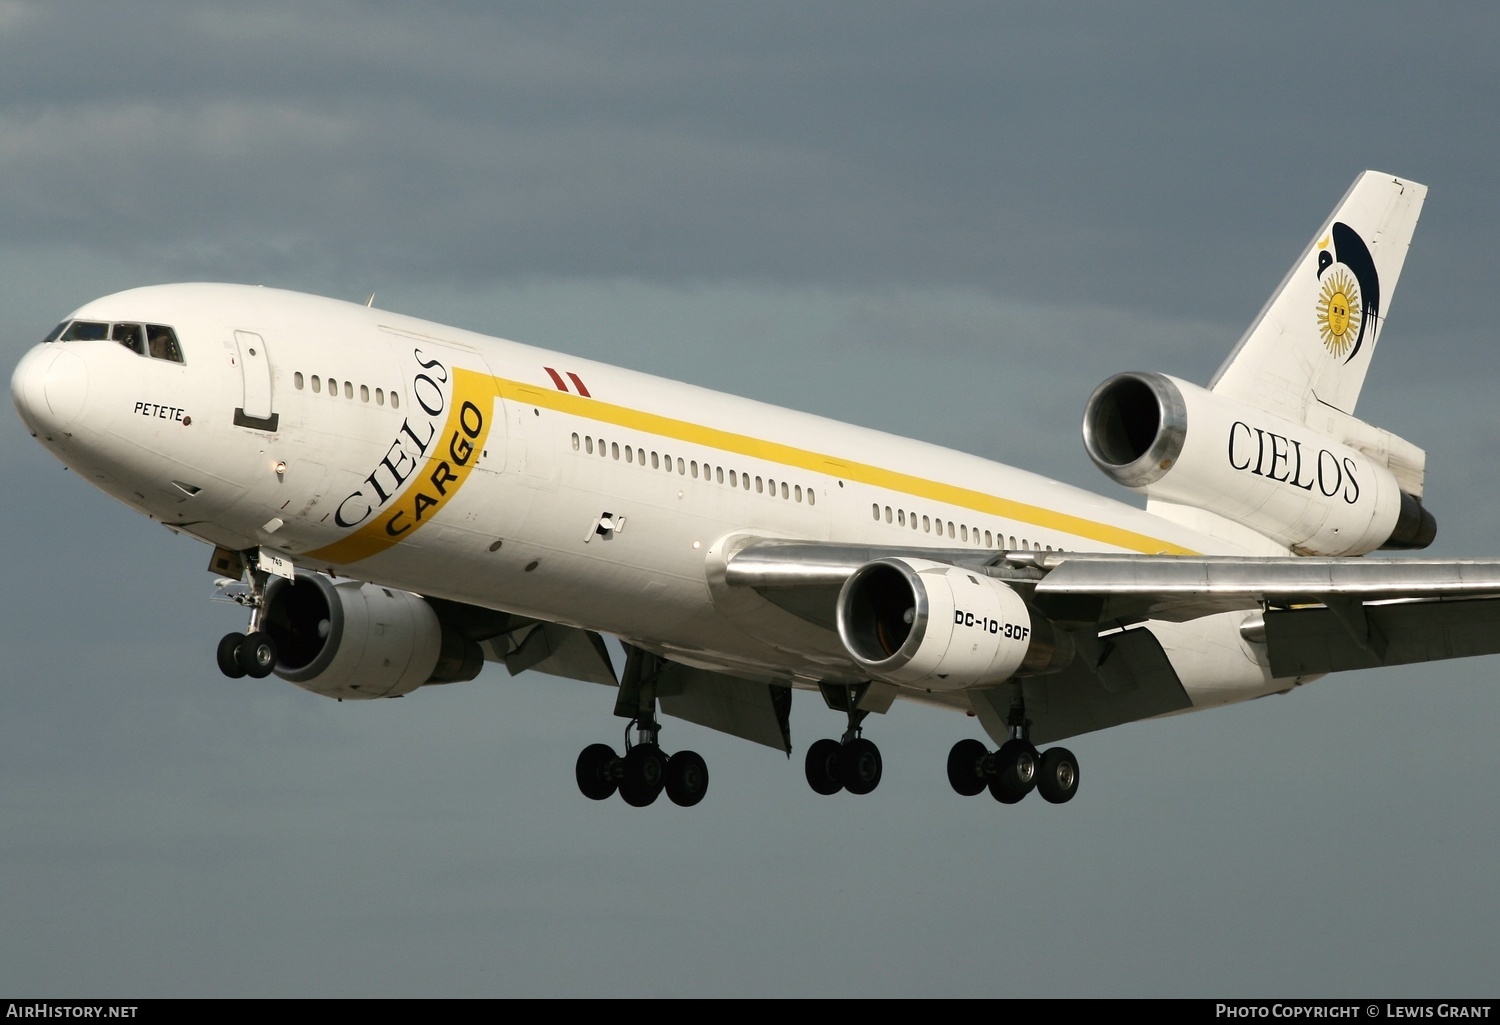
x,y
850,763
1013,771
645,770
252,653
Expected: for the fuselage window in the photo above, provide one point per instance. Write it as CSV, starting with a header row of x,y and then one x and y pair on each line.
x,y
798,491
963,532
395,401
951,535
333,388
719,474
681,466
926,526
588,445
875,509
129,335
913,521
614,450
86,331
745,481
987,539
784,492
297,380
734,480
900,517
887,514
694,465
760,485
348,390
577,442
629,455
811,497
317,384
655,461
379,396
364,393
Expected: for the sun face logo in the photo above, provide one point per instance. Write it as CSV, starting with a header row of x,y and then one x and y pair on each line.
x,y
1339,312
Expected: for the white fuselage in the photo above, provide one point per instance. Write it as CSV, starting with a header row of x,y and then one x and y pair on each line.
x,y
439,461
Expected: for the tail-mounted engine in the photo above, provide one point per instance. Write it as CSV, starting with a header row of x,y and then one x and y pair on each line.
x,y
914,622
1309,491
354,640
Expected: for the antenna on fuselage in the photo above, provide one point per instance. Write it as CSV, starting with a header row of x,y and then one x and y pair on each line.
x,y
370,301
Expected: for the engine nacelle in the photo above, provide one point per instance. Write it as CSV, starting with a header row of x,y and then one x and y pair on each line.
x,y
914,622
1180,443
354,640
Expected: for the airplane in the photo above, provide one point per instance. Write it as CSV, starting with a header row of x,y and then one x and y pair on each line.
x,y
396,502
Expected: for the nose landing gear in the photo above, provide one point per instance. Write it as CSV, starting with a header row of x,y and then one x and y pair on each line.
x,y
252,653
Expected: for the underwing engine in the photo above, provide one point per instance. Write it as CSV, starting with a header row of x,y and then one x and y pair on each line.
x,y
928,624
348,639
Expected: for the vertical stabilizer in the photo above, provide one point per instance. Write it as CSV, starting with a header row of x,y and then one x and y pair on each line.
x,y
1311,345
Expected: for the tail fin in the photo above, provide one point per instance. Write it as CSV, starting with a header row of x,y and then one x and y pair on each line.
x,y
1311,345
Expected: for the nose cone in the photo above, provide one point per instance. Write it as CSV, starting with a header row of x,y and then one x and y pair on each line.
x,y
49,388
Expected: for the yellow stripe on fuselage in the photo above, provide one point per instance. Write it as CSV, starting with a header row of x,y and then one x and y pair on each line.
x,y
863,473
416,507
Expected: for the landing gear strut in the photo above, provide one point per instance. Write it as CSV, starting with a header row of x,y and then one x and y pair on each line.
x,y
252,653
1016,769
645,770
850,763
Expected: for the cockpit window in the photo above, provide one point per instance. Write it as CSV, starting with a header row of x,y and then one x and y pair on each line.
x,y
154,340
56,331
163,343
85,331
130,336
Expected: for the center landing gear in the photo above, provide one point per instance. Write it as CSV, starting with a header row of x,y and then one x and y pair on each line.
x,y
645,770
252,653
851,763
1015,770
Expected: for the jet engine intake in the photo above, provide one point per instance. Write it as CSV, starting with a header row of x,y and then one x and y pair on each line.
x,y
1307,490
348,639
929,624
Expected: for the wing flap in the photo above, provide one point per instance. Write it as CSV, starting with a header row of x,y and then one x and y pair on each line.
x,y
1309,641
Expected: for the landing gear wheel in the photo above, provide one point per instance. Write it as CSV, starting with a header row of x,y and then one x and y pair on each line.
x,y
823,767
1057,777
258,655
859,766
645,769
1017,763
965,768
229,655
595,771
687,778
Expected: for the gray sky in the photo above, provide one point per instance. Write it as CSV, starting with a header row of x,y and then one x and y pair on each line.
x,y
949,221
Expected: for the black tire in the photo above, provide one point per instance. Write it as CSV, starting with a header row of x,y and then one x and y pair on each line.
x,y
1016,762
258,655
1057,778
595,772
644,773
965,769
229,655
860,766
823,767
687,778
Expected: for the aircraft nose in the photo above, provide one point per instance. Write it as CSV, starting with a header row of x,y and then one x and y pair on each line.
x,y
49,388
